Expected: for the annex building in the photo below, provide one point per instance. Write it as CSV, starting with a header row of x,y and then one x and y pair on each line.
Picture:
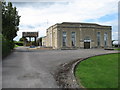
x,y
77,35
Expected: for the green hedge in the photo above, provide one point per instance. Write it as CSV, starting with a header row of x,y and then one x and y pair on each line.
x,y
7,46
19,43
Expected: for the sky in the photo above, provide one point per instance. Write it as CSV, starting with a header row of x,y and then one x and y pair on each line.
x,y
38,16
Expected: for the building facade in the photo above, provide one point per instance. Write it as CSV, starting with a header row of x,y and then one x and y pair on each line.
x,y
78,35
44,41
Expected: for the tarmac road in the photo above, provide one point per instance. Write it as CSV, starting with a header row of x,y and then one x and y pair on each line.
x,y
35,68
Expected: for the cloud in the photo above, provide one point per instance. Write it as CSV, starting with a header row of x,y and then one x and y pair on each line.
x,y
39,16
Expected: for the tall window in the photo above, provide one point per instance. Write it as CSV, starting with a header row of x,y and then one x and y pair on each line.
x,y
98,38
105,39
73,38
51,39
64,38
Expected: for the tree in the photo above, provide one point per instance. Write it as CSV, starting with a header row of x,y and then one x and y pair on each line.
x,y
10,21
23,39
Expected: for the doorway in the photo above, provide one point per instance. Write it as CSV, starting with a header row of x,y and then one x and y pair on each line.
x,y
86,45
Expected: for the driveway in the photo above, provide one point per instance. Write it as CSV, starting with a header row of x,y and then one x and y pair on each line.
x,y
35,68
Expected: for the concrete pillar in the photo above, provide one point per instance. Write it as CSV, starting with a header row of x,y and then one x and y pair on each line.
x,y
35,41
30,39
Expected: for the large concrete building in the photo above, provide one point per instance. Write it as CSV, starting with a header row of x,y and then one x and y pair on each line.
x,y
78,35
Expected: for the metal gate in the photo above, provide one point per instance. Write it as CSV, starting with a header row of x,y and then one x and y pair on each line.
x,y
86,45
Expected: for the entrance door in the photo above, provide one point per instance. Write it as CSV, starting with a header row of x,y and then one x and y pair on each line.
x,y
86,45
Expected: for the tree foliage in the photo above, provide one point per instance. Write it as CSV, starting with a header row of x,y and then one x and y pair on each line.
x,y
10,21
23,39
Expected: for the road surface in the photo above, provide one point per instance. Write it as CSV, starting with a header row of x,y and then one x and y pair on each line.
x,y
35,68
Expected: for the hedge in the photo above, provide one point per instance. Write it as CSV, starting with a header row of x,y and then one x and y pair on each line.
x,y
19,43
7,46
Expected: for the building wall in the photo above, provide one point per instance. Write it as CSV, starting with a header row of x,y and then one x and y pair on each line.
x,y
92,33
69,31
54,35
87,32
44,40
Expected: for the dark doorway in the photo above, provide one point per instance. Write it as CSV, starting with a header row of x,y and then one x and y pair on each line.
x,y
86,45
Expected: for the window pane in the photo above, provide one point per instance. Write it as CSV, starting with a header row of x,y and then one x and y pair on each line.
x,y
98,38
73,38
105,39
64,38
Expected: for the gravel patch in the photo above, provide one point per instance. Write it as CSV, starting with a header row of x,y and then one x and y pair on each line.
x,y
65,76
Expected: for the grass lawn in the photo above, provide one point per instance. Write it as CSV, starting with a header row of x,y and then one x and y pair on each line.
x,y
98,72
17,46
117,49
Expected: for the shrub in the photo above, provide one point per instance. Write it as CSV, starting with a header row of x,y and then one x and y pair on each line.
x,y
19,43
7,46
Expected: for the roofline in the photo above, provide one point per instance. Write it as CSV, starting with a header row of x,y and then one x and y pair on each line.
x,y
54,25
78,23
83,23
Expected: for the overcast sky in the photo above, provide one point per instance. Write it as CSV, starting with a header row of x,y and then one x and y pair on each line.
x,y
38,16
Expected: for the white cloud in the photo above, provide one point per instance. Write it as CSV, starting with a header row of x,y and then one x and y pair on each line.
x,y
73,11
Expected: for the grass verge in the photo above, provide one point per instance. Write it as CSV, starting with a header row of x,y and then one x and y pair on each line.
x,y
16,46
117,49
98,72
